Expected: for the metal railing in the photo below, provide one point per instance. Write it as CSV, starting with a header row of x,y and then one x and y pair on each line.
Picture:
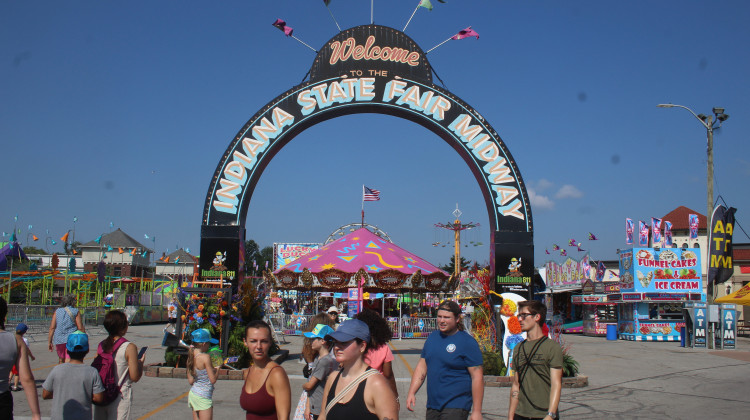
x,y
286,324
39,317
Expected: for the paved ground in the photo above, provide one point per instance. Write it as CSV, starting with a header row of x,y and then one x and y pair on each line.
x,y
627,380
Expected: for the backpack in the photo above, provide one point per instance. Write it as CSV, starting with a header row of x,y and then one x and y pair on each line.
x,y
104,363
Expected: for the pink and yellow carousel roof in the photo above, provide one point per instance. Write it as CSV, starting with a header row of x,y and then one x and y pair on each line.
x,y
361,253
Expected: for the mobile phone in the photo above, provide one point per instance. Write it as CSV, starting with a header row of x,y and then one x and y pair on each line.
x,y
142,351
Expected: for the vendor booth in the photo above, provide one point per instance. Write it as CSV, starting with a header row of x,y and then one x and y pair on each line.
x,y
597,310
654,285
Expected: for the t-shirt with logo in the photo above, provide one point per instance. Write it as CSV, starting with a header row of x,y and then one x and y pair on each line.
x,y
448,380
533,398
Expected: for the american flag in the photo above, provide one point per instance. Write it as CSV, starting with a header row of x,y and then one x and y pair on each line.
x,y
371,195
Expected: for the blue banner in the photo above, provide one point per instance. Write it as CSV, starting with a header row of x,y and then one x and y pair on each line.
x,y
728,326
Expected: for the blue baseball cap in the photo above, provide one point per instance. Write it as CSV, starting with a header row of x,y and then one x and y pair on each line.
x,y
78,342
202,335
320,331
349,330
22,328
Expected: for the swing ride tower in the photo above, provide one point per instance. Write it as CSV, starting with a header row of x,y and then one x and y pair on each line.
x,y
456,226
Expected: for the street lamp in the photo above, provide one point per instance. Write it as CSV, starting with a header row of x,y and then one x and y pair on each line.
x,y
710,124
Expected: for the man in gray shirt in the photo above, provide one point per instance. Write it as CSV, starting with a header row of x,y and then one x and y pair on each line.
x,y
73,386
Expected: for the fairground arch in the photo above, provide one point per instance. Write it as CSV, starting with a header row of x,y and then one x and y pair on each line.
x,y
368,69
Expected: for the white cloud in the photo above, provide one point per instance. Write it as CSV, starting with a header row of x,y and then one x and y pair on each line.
x,y
540,201
543,185
568,191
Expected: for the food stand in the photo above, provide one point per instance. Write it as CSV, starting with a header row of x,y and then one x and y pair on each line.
x,y
597,309
654,285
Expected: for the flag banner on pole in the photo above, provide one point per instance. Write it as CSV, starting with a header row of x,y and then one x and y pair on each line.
x,y
642,233
629,227
600,271
693,222
426,4
656,230
720,267
667,233
371,195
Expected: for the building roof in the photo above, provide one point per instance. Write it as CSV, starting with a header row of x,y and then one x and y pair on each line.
x,y
116,239
680,218
184,258
741,254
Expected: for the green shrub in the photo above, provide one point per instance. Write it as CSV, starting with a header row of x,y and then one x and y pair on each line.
x,y
570,366
493,363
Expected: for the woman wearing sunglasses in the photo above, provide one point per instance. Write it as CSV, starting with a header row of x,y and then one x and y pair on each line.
x,y
357,391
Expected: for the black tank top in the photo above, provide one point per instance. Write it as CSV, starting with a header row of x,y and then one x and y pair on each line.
x,y
354,409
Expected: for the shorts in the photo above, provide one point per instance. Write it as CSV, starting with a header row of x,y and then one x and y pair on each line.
x,y
447,414
172,321
197,403
6,406
62,351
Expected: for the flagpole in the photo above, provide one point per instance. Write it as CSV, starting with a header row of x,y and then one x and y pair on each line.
x,y
428,51
301,42
334,19
363,205
412,16
372,20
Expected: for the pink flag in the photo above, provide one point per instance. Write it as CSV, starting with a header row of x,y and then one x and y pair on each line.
x,y
468,32
668,233
282,26
656,230
693,223
642,233
629,231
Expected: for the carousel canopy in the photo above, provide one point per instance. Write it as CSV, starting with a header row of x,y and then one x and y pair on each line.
x,y
344,262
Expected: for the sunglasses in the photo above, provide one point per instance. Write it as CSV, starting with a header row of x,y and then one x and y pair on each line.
x,y
523,315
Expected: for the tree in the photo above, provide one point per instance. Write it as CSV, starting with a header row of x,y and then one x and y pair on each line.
x,y
70,247
32,250
450,268
253,252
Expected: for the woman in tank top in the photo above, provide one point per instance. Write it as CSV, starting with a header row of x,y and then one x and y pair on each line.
x,y
13,351
129,367
344,399
266,393
65,321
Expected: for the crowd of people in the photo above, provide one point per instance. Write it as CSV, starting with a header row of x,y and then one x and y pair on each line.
x,y
348,369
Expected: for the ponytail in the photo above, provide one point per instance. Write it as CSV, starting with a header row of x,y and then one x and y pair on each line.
x,y
191,361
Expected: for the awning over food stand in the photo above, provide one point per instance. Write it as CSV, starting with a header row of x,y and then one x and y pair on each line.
x,y
740,297
342,263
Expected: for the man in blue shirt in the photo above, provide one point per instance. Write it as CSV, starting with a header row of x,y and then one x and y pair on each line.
x,y
452,364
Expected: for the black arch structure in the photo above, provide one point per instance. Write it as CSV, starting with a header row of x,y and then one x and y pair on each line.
x,y
368,69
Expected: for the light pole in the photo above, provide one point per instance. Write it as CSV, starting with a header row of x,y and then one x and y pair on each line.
x,y
710,124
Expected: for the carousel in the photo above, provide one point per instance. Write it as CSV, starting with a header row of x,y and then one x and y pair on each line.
x,y
362,260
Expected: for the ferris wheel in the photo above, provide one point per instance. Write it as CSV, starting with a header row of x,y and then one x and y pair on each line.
x,y
351,227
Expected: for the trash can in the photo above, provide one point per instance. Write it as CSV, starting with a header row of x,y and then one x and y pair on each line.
x,y
683,333
612,332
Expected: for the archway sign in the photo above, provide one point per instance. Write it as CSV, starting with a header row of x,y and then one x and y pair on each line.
x,y
369,69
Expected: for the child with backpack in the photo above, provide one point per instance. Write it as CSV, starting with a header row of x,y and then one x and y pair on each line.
x,y
201,375
73,386
119,366
20,331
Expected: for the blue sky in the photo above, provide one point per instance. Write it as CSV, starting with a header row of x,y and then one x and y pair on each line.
x,y
120,112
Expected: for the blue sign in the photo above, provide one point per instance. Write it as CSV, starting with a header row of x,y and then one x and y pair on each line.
x,y
352,308
728,326
699,325
420,324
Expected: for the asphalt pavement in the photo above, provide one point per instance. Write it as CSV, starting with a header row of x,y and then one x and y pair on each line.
x,y
627,380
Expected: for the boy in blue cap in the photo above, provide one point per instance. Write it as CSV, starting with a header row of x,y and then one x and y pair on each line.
x,y
20,331
73,386
322,366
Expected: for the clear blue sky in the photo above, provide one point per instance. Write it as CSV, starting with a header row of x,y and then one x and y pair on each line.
x,y
119,112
